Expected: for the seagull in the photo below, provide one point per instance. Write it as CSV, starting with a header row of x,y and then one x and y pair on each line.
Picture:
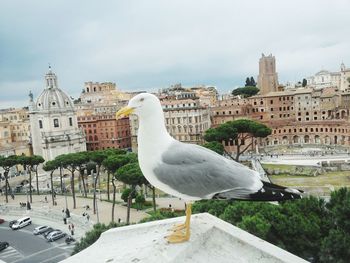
x,y
192,172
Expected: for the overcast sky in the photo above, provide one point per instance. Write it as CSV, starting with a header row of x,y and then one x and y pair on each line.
x,y
150,44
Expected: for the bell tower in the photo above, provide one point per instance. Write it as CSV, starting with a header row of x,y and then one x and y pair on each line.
x,y
268,78
51,79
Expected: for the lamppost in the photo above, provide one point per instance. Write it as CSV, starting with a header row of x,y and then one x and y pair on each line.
x,y
27,204
98,219
65,197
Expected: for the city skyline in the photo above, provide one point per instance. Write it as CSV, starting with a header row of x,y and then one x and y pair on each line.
x,y
152,45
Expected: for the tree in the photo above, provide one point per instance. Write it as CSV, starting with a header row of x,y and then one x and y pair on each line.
x,y
34,162
130,174
126,193
246,92
59,160
252,82
6,163
70,162
111,152
335,246
97,157
25,161
240,131
82,159
112,164
215,146
140,201
51,166
304,83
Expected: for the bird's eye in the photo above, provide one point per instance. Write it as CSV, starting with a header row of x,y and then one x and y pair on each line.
x,y
142,99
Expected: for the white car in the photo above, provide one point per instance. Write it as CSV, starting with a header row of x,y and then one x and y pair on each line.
x,y
40,229
22,222
57,234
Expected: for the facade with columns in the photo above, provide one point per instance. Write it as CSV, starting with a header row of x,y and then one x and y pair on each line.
x,y
53,121
324,79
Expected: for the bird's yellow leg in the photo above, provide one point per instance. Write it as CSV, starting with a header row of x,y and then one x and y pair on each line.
x,y
178,227
179,237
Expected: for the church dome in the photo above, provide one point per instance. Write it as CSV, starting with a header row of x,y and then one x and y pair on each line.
x,y
53,98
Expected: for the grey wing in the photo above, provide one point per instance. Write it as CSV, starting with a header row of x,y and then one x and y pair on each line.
x,y
196,171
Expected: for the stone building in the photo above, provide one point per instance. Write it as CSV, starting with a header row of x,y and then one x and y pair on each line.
x,y
98,92
186,120
53,121
15,131
325,79
344,78
268,78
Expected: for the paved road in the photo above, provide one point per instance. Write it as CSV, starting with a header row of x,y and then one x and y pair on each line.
x,y
28,248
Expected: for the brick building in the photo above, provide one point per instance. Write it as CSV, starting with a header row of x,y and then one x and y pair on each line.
x,y
302,116
103,131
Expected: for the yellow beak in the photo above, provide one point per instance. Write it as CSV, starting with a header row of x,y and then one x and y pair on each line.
x,y
124,112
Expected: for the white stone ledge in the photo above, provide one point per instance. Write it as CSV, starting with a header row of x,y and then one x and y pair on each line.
x,y
212,240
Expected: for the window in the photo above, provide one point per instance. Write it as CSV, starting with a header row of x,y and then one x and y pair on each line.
x,y
70,121
40,124
55,123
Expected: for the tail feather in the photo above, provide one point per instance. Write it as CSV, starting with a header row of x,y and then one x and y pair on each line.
x,y
269,192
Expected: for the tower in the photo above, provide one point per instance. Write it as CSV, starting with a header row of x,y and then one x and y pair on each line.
x,y
53,121
267,79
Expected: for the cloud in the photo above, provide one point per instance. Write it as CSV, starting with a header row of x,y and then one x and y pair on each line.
x,y
155,43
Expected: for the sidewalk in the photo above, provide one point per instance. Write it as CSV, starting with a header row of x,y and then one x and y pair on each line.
x,y
104,208
43,213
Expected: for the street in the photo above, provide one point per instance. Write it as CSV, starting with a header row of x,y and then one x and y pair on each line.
x,y
25,247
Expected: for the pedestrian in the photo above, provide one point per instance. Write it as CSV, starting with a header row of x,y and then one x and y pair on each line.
x,y
13,196
45,199
87,217
72,230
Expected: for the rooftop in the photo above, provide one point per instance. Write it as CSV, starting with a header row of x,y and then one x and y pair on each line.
x,y
212,240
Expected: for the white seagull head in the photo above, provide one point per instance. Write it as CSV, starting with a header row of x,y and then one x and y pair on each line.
x,y
143,105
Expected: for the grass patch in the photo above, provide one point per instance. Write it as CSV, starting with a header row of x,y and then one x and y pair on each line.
x,y
291,170
335,179
145,206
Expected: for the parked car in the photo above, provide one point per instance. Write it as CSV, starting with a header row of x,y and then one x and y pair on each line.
x,y
3,245
2,220
57,234
12,222
40,229
22,222
48,231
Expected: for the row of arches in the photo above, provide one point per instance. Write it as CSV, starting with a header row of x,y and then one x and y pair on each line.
x,y
309,139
